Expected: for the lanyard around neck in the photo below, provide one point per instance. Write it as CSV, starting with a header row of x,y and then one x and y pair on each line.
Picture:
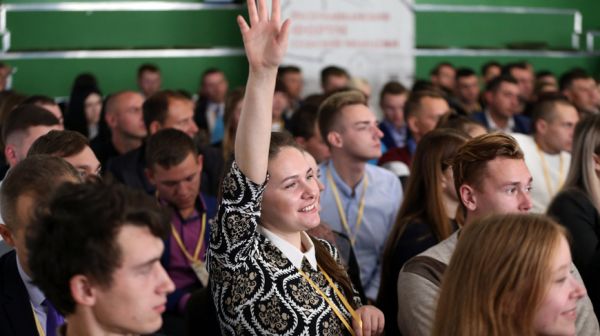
x,y
333,307
199,244
338,202
547,171
38,325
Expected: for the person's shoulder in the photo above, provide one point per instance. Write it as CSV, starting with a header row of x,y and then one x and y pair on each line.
x,y
381,174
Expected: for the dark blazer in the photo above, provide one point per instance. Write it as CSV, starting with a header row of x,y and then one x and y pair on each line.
x,y
522,123
16,316
200,114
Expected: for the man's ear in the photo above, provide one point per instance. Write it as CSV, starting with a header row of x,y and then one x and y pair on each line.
x,y
468,197
335,139
300,141
82,291
10,153
154,127
200,162
411,122
541,126
7,235
111,119
596,162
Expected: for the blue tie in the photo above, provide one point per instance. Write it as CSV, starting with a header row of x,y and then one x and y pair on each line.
x,y
219,129
53,319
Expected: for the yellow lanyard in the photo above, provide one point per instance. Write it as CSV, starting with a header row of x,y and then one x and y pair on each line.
x,y
547,171
191,258
38,325
338,202
342,298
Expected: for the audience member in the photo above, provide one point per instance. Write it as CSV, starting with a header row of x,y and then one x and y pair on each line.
x,y
46,103
9,100
84,110
546,77
502,109
123,116
467,91
22,127
174,167
579,87
231,119
490,177
276,257
509,275
148,79
362,85
24,309
392,99
547,150
577,205
95,254
427,215
166,109
280,109
291,77
422,112
443,77
210,106
522,72
360,200
70,146
490,70
304,127
334,78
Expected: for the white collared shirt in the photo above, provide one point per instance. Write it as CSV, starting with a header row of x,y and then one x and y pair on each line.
x,y
294,255
493,127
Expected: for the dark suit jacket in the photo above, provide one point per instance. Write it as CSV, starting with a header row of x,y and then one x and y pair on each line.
x,y
522,123
16,316
200,114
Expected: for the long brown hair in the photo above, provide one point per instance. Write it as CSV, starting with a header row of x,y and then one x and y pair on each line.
x,y
498,276
337,272
423,199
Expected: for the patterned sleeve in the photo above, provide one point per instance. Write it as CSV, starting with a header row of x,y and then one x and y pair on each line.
x,y
233,235
356,301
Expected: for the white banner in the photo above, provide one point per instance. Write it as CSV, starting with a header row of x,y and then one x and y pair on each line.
x,y
372,39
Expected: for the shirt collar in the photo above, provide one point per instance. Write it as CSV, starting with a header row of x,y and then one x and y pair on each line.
x,y
343,188
493,127
35,294
290,251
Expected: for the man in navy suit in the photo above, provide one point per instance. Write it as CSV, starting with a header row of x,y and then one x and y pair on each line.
x,y
25,188
503,105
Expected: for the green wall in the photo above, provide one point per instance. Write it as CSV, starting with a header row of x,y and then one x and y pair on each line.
x,y
215,27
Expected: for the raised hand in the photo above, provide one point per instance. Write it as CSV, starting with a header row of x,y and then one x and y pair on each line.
x,y
265,39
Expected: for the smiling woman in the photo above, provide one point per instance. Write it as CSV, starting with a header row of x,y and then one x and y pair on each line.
x,y
268,277
510,275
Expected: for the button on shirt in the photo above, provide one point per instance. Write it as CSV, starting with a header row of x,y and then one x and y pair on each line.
x,y
382,201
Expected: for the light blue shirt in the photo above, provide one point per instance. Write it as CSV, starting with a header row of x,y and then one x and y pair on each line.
x,y
382,201
36,297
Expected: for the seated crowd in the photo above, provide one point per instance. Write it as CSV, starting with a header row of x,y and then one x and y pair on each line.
x,y
264,211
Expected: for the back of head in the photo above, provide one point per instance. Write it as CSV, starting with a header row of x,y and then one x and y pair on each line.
x,y
24,117
546,108
169,147
59,143
498,276
471,160
156,107
80,228
582,172
413,104
39,100
36,177
330,110
303,121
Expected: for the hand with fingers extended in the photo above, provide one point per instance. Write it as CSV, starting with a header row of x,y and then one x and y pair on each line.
x,y
265,39
370,323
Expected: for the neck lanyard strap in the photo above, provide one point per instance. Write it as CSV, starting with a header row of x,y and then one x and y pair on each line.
x,y
38,325
333,307
199,244
338,202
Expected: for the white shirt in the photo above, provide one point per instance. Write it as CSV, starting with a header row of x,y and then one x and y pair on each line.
x,y
492,126
294,255
545,170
